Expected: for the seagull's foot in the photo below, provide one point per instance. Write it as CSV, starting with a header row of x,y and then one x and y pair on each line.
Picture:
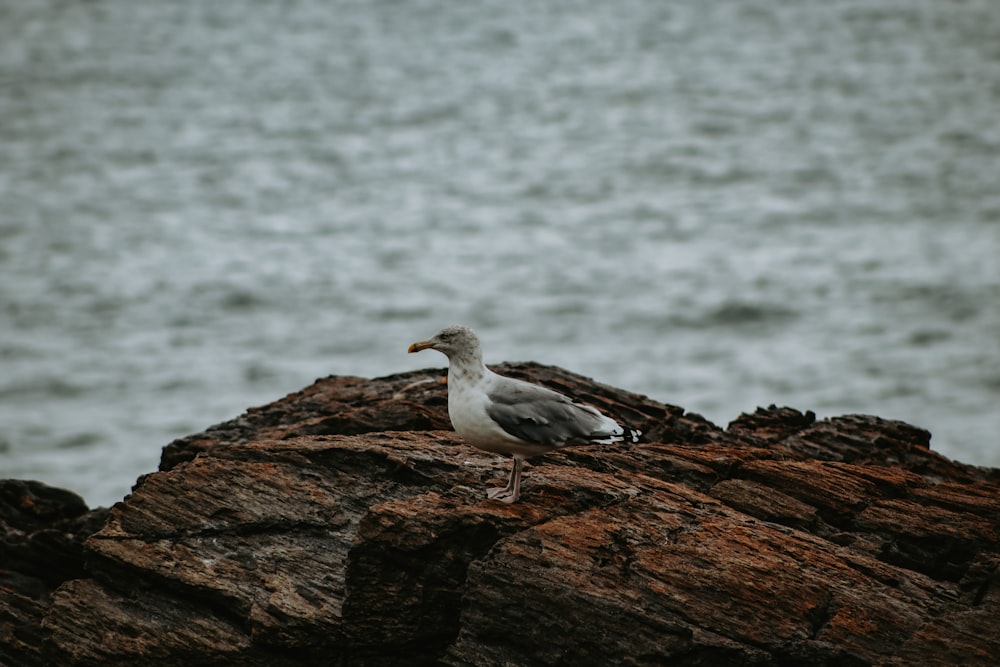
x,y
503,494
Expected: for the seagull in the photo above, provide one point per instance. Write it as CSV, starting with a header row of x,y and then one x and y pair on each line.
x,y
508,416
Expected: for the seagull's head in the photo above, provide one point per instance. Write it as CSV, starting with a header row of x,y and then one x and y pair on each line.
x,y
450,341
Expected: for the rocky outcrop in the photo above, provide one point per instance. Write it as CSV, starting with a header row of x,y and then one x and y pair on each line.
x,y
42,533
347,525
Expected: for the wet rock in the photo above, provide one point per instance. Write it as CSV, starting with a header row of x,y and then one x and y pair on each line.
x,y
346,524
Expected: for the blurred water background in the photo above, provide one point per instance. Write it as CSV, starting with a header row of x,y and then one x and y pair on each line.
x,y
207,205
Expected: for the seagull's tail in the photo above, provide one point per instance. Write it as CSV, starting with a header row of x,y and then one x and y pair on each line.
x,y
614,432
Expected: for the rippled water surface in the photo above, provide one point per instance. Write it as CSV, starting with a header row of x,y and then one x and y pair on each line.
x,y
206,205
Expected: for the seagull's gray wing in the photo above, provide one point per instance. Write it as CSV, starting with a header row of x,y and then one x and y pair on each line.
x,y
544,417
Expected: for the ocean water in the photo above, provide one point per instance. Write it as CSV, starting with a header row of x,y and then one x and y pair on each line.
x,y
207,205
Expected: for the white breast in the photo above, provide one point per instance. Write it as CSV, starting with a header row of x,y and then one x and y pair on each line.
x,y
467,403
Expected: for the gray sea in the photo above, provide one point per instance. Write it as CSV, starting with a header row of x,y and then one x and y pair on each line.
x,y
207,205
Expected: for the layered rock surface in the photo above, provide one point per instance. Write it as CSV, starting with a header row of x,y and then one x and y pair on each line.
x,y
347,525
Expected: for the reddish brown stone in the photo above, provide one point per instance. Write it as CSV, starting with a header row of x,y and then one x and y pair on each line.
x,y
346,524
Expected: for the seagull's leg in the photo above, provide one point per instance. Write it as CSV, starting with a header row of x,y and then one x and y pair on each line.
x,y
515,484
512,491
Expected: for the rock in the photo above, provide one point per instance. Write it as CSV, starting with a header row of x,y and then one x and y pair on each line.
x,y
42,531
346,524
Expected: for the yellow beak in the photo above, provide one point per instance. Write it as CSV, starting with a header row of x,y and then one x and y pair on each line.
x,y
420,345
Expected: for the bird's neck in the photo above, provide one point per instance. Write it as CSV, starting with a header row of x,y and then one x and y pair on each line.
x,y
467,367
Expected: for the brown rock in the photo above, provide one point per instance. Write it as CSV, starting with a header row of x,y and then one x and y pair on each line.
x,y
42,531
345,524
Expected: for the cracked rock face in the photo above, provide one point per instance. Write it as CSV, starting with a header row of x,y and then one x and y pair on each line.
x,y
347,525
